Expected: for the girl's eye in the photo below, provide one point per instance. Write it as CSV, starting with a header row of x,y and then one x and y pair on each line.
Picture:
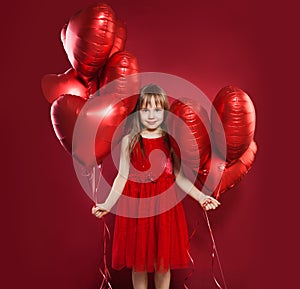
x,y
158,109
145,110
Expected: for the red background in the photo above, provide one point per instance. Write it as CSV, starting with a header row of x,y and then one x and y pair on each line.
x,y
49,238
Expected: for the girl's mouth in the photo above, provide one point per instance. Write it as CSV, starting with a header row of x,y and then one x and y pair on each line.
x,y
151,122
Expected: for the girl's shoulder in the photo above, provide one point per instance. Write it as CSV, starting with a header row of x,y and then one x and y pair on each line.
x,y
125,140
125,146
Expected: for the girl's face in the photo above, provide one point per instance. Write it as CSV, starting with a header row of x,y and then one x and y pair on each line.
x,y
152,115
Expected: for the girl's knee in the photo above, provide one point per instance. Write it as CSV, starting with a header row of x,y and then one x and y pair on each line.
x,y
162,279
162,273
139,273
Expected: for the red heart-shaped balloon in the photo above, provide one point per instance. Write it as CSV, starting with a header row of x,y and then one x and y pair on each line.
x,y
99,119
236,111
55,85
234,173
224,176
120,78
120,37
191,133
64,112
95,129
88,39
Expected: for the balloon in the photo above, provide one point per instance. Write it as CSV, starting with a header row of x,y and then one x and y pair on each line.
x,y
120,38
118,68
64,112
85,146
237,115
191,135
237,170
55,85
88,39
96,128
63,34
229,174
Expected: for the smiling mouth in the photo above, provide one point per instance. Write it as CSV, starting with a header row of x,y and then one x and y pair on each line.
x,y
151,122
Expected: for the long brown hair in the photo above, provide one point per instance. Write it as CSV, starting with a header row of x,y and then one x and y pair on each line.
x,y
146,94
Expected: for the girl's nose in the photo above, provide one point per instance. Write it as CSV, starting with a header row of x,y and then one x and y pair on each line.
x,y
151,113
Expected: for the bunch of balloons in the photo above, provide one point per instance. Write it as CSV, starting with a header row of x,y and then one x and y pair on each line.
x,y
233,116
94,41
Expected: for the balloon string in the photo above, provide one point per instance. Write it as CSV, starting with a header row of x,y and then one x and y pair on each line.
x,y
93,180
105,272
214,253
106,277
100,175
92,176
190,257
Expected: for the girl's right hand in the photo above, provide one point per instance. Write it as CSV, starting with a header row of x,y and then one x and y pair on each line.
x,y
99,212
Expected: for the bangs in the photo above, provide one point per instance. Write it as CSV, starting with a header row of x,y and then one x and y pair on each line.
x,y
159,99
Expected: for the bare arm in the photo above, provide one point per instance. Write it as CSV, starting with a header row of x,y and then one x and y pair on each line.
x,y
119,183
187,186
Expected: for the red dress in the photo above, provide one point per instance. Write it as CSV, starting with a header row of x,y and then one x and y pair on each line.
x,y
150,231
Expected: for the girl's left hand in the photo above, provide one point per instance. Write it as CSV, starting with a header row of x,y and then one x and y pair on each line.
x,y
209,203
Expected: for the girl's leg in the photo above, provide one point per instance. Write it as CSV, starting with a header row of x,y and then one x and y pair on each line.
x,y
139,280
162,280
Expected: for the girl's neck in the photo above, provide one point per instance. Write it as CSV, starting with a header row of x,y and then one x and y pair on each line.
x,y
152,133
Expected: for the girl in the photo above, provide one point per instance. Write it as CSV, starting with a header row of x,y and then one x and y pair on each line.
x,y
157,242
